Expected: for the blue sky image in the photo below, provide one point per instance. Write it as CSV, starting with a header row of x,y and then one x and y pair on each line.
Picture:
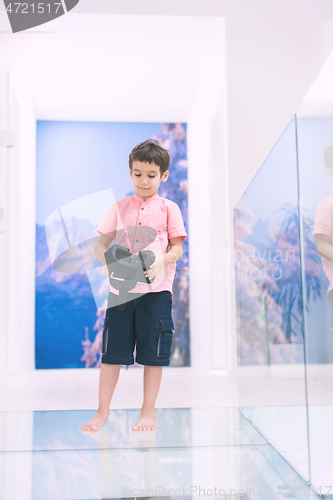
x,y
76,159
275,183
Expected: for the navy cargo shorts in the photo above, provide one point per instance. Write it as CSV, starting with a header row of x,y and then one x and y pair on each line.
x,y
145,322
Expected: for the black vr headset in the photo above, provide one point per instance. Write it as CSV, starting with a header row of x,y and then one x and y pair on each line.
x,y
128,270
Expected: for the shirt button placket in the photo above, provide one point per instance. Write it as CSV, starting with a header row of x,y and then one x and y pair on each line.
x,y
139,224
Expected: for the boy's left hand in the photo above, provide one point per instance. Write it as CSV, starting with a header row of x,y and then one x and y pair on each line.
x,y
156,266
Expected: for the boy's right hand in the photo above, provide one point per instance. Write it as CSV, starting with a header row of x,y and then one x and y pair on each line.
x,y
101,247
106,270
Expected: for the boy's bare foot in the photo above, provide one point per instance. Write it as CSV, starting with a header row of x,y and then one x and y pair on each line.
x,y
146,422
101,437
97,422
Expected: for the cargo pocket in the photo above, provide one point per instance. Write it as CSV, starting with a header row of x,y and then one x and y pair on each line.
x,y
105,334
165,334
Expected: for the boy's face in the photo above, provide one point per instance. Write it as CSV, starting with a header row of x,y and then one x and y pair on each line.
x,y
146,178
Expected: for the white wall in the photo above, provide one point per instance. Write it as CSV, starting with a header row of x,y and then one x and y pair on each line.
x,y
3,207
210,117
271,63
274,52
211,332
17,197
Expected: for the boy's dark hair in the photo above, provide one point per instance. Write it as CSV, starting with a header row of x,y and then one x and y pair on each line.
x,y
328,157
150,151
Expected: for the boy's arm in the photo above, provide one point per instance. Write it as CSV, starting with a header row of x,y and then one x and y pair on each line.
x,y
175,252
324,247
163,259
101,247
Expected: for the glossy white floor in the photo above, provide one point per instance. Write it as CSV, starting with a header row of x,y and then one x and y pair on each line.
x,y
286,426
295,415
202,440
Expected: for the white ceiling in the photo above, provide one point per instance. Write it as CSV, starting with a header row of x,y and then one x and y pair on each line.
x,y
108,67
121,67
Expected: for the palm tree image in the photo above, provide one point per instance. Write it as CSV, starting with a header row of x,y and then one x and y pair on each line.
x,y
269,283
173,138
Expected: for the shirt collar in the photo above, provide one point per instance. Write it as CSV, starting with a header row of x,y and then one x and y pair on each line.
x,y
138,198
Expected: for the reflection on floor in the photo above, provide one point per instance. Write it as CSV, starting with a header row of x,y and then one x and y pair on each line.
x,y
286,428
195,452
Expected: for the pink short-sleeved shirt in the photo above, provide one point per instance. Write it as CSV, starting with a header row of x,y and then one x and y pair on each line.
x,y
323,224
161,220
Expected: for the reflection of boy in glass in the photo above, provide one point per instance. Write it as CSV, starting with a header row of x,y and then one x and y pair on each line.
x,y
323,229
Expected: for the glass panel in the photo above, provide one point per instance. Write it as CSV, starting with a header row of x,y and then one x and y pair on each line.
x,y
195,453
315,152
271,372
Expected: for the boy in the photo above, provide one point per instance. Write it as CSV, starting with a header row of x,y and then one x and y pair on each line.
x,y
146,319
323,230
